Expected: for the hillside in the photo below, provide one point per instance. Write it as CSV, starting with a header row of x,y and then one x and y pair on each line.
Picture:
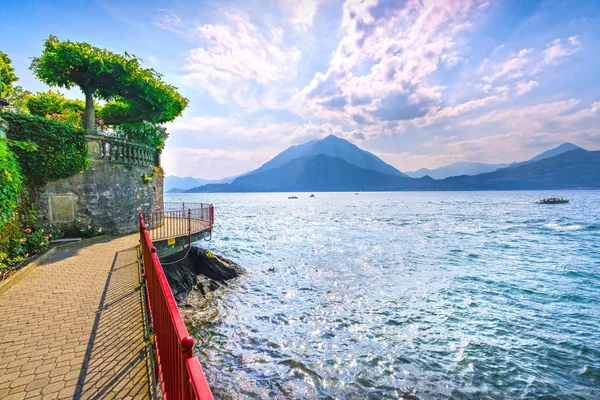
x,y
331,146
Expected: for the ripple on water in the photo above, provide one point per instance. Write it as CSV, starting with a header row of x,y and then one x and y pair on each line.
x,y
404,295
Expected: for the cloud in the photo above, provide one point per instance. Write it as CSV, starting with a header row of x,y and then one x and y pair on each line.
x,y
557,50
524,86
382,64
237,61
302,12
511,68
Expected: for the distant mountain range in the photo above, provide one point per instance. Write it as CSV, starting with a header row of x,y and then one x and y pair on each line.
x,y
334,164
472,168
176,184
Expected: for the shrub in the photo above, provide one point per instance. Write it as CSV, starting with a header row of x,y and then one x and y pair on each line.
x,y
31,240
54,105
89,230
61,151
10,184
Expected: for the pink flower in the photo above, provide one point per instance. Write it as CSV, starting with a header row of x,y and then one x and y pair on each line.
x,y
46,238
89,227
27,230
99,230
101,122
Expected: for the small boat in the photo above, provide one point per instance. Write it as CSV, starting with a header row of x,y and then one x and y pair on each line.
x,y
293,197
312,195
552,200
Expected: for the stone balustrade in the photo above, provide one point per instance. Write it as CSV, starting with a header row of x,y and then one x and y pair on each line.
x,y
115,150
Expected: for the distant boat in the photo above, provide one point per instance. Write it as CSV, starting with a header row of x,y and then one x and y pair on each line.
x,y
552,200
356,193
293,197
312,195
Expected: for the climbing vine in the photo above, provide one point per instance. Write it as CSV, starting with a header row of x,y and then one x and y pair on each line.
x,y
60,153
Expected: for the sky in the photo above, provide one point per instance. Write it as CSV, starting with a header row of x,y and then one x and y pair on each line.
x,y
418,83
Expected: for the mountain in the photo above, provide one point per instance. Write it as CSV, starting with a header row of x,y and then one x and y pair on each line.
x,y
331,146
575,169
472,168
456,169
549,153
176,184
318,173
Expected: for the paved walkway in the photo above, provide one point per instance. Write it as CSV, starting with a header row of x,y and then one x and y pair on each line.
x,y
73,327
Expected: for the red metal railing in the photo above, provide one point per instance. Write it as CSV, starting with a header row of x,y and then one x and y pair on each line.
x,y
179,219
178,370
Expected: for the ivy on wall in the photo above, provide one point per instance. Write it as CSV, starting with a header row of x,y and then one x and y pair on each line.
x,y
10,184
60,153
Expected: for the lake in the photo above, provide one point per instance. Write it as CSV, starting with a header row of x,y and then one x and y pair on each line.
x,y
413,295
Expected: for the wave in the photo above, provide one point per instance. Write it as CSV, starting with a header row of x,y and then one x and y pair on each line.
x,y
557,227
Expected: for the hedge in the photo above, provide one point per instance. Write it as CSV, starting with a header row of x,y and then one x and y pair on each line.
x,y
60,153
10,183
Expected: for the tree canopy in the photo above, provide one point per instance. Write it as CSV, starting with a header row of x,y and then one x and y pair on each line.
x,y
7,75
54,105
132,93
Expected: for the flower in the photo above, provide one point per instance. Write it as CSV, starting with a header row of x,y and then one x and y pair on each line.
x,y
99,230
50,235
89,227
41,244
100,122
26,255
46,238
27,230
23,240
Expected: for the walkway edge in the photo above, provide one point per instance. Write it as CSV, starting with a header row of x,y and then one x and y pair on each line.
x,y
23,272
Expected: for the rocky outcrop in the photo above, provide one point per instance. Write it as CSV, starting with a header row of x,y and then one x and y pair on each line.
x,y
198,270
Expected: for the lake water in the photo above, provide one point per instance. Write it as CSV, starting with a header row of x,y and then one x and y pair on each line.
x,y
413,295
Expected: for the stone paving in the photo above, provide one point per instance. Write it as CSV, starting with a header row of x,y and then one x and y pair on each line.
x,y
73,328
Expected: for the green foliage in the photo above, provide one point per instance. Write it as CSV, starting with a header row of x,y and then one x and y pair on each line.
x,y
132,93
61,149
7,75
89,230
54,105
145,132
31,240
10,184
17,100
146,179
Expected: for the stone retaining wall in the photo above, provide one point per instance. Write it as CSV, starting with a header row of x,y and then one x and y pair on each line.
x,y
109,194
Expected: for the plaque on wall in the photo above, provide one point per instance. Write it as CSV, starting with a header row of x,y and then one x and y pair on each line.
x,y
61,208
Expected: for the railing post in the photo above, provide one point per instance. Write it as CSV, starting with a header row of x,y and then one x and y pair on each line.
x,y
189,227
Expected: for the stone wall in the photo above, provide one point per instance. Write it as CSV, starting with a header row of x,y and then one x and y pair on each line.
x,y
108,194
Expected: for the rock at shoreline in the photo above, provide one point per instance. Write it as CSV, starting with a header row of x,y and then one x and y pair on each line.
x,y
200,270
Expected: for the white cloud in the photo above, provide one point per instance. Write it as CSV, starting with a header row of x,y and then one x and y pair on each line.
x,y
524,86
511,68
380,69
302,12
557,51
236,56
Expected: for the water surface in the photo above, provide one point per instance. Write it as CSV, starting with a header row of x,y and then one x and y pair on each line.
x,y
414,295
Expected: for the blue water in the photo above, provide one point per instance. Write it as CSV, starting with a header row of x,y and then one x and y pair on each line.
x,y
404,295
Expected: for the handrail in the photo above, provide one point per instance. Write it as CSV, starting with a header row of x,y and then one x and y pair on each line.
x,y
176,221
178,370
114,149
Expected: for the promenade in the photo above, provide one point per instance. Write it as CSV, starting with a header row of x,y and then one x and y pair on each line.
x,y
73,328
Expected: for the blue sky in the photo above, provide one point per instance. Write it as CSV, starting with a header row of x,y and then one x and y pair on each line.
x,y
419,83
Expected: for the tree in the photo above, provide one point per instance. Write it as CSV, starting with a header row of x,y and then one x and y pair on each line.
x,y
132,93
7,75
17,99
54,105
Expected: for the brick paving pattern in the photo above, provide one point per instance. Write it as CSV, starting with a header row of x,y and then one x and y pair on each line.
x,y
73,328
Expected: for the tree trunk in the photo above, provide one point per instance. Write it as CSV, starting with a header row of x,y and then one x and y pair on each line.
x,y
90,113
